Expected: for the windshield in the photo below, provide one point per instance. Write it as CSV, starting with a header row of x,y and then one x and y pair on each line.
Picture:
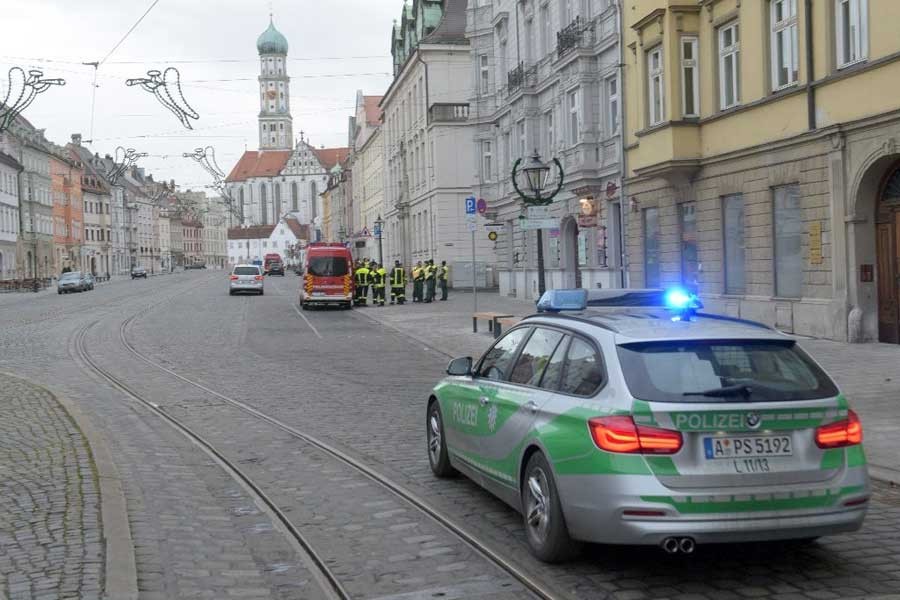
x,y
722,371
328,266
246,271
72,275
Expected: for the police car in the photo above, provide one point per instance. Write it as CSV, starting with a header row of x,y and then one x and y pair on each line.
x,y
620,424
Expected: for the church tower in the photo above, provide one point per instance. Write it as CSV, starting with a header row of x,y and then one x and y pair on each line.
x,y
275,123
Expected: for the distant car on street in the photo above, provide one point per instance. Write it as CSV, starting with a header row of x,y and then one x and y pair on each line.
x,y
138,272
635,424
73,281
246,278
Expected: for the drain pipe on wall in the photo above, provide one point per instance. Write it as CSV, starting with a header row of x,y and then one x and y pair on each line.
x,y
810,74
621,249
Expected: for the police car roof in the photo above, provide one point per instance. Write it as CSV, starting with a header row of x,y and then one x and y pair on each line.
x,y
654,324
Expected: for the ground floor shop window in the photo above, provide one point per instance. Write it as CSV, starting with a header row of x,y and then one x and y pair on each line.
x,y
688,220
788,242
651,247
733,231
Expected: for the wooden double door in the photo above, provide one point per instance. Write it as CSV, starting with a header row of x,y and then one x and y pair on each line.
x,y
887,240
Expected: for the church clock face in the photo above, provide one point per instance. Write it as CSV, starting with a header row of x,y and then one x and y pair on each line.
x,y
271,94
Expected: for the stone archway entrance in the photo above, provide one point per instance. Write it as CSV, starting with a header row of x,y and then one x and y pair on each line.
x,y
571,268
887,250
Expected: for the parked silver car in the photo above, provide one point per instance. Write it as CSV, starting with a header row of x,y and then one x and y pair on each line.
x,y
73,281
246,278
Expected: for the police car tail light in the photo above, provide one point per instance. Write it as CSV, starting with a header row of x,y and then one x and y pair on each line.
x,y
843,433
621,434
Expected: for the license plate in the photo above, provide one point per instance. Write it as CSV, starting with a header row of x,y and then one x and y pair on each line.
x,y
747,447
318,293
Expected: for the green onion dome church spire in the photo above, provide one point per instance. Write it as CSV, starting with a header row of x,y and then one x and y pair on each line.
x,y
271,41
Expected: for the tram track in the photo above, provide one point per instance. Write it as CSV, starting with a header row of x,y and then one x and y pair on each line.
x,y
535,586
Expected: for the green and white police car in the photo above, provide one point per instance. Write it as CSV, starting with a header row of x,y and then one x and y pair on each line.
x,y
619,424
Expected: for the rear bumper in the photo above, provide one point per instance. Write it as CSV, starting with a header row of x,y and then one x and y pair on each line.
x,y
595,506
329,299
237,287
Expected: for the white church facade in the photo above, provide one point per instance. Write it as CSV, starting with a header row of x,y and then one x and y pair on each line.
x,y
285,176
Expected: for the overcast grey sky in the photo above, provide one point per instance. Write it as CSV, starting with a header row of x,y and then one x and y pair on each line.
x,y
357,32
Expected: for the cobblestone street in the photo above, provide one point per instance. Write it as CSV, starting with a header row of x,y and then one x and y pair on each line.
x,y
351,383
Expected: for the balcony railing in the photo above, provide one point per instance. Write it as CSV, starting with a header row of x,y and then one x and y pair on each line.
x,y
448,112
515,78
569,37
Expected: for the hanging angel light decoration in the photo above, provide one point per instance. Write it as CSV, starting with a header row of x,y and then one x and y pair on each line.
x,y
166,86
22,90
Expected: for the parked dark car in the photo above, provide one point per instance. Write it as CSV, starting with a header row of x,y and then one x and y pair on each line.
x,y
138,272
275,268
89,281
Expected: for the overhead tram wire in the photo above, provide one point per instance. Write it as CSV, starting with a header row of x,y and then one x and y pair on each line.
x,y
96,64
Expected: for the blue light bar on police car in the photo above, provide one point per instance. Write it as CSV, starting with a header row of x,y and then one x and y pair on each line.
x,y
683,303
557,300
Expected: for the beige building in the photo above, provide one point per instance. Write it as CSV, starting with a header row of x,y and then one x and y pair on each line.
x,y
367,163
762,168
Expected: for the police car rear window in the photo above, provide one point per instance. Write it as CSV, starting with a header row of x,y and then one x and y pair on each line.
x,y
722,371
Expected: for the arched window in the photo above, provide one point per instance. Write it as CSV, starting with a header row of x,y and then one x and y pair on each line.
x,y
262,202
294,197
277,201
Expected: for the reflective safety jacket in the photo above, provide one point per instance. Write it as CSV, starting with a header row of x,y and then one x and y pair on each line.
x,y
398,277
378,277
418,273
442,272
362,276
430,271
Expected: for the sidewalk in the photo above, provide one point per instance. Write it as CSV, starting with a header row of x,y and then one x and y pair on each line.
x,y
50,520
868,374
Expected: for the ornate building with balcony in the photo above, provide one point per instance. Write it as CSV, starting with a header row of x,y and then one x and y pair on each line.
x,y
427,135
546,77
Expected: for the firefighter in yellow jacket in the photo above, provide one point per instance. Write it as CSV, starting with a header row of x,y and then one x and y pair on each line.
x,y
379,278
418,275
398,284
361,276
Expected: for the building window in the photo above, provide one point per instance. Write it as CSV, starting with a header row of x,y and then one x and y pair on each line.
x,y
733,233
486,161
688,220
851,31
522,141
651,247
484,75
690,78
656,95
612,105
573,116
729,65
546,30
784,43
548,126
788,242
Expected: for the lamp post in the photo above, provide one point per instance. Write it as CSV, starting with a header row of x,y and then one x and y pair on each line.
x,y
536,172
342,233
378,225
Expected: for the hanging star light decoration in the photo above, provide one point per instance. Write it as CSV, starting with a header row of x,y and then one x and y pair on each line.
x,y
22,90
124,160
166,86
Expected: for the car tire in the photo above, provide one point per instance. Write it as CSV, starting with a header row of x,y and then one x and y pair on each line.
x,y
261,292
231,292
438,456
545,526
59,292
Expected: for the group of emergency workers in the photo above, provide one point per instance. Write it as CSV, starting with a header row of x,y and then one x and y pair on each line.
x,y
426,277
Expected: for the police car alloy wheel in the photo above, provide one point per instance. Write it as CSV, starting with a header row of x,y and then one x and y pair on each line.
x,y
437,446
545,526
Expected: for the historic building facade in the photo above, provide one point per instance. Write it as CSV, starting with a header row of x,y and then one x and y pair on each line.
x,y
546,78
366,163
285,176
426,133
756,172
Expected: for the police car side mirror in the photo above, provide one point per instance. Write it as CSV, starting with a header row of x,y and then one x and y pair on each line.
x,y
460,366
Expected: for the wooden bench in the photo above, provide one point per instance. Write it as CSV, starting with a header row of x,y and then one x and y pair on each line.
x,y
490,317
502,322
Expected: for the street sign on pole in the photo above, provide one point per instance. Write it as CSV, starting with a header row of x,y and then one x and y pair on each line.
x,y
471,225
471,206
538,212
481,206
549,223
498,227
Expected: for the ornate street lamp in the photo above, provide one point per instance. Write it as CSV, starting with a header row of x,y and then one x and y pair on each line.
x,y
378,225
536,173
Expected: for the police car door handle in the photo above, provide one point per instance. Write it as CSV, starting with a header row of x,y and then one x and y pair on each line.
x,y
483,400
531,406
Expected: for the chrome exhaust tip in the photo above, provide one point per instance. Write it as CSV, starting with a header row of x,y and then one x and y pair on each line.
x,y
687,545
670,545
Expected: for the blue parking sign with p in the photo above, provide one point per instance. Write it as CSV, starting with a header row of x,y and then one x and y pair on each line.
x,y
470,205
